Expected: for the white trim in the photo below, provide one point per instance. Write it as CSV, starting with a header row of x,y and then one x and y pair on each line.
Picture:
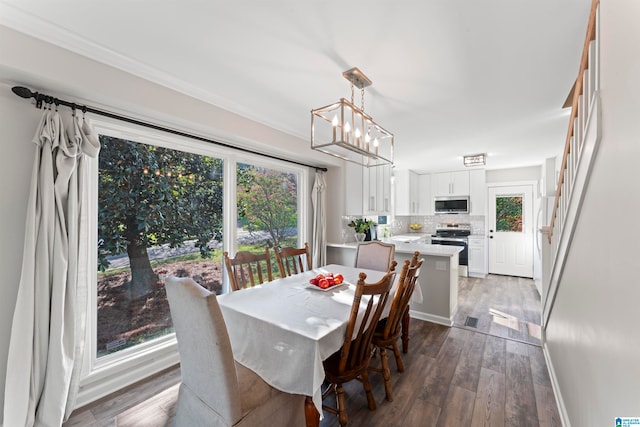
x,y
562,409
107,374
590,145
431,318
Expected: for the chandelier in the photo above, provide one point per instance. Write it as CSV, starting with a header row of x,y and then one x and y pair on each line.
x,y
346,131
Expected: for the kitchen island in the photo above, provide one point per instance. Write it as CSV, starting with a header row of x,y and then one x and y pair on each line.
x,y
438,279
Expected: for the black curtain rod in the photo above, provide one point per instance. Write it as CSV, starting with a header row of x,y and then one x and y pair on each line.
x,y
41,98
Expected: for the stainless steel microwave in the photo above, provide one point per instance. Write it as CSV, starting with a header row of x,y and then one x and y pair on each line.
x,y
451,205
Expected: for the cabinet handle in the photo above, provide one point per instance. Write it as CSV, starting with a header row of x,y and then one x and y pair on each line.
x,y
372,203
386,204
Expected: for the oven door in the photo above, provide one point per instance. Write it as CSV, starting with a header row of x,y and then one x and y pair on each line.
x,y
464,254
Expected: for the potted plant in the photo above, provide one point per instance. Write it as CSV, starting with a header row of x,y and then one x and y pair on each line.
x,y
362,228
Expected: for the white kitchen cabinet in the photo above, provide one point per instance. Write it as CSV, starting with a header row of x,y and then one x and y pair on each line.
x,y
478,192
368,190
477,256
378,191
407,193
450,184
424,195
354,189
402,196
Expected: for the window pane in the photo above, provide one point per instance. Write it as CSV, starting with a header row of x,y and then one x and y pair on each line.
x,y
159,213
267,208
509,213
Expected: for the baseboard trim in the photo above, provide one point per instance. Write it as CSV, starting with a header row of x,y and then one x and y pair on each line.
x,y
431,318
562,409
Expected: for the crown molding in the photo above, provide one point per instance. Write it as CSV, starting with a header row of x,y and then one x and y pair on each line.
x,y
22,21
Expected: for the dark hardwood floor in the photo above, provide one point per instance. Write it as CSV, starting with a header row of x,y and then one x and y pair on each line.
x,y
504,306
459,376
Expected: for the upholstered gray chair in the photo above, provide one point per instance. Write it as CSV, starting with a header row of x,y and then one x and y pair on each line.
x,y
375,255
216,391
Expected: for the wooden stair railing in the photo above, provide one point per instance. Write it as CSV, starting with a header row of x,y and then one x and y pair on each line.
x,y
581,98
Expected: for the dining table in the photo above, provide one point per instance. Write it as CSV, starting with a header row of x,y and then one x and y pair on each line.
x,y
284,329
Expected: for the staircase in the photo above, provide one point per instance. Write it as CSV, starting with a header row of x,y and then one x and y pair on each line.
x,y
581,145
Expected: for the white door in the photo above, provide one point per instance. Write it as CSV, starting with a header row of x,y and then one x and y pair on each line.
x,y
511,230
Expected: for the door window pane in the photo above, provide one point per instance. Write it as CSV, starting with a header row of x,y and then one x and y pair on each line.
x,y
267,208
159,214
509,213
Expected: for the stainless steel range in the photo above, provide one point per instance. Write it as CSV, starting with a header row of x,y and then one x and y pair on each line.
x,y
455,235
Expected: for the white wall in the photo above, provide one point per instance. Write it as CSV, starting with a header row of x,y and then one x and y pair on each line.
x,y
42,67
592,335
531,173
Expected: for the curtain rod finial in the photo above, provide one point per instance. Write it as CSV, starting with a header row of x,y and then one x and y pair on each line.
x,y
22,92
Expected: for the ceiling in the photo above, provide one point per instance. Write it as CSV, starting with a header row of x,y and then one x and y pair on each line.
x,y
450,77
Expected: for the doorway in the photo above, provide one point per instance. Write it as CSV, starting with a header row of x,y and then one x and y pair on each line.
x,y
511,230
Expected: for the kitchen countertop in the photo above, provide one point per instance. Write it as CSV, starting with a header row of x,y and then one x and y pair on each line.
x,y
424,249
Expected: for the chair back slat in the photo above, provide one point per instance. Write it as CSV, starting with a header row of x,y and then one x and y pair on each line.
x,y
356,349
293,260
402,296
243,269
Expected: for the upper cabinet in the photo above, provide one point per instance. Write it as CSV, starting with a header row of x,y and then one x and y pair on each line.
x,y
478,192
450,184
367,190
411,195
353,191
425,206
379,194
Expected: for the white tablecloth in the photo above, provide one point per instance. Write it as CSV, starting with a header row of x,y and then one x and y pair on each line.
x,y
283,330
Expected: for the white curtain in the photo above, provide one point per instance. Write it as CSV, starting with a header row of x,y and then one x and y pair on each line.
x,y
47,333
318,199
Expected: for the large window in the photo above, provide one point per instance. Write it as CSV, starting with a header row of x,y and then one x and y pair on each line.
x,y
171,206
159,213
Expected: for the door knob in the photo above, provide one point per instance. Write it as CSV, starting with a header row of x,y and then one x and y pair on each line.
x,y
491,237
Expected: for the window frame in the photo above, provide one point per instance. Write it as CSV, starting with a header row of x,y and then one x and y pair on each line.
x,y
104,375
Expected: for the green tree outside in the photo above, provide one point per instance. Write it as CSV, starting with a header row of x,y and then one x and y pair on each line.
x,y
267,200
509,213
149,196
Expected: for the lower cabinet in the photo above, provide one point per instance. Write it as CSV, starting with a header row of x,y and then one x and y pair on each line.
x,y
477,256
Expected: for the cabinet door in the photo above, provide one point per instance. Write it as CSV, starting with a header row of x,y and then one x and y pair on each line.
x,y
459,183
450,184
414,192
477,255
377,190
478,192
353,186
385,174
440,184
426,201
402,202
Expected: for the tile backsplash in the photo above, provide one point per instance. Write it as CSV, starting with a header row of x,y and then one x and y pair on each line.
x,y
429,223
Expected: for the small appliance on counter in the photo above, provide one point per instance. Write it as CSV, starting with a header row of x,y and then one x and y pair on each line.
x,y
455,235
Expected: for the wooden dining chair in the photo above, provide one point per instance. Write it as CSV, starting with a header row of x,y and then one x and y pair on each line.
x,y
352,360
389,330
214,389
248,269
375,255
293,260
